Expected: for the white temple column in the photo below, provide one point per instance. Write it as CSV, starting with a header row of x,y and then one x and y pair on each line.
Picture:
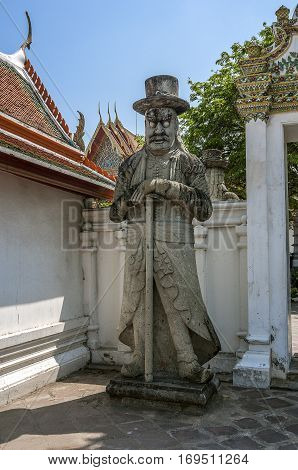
x,y
254,369
201,246
90,303
241,232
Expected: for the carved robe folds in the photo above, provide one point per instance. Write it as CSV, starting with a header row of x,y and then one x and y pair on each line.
x,y
177,297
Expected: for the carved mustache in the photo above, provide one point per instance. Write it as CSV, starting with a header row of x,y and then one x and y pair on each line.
x,y
158,138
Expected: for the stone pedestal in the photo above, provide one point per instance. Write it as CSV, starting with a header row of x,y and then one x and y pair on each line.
x,y
215,173
164,390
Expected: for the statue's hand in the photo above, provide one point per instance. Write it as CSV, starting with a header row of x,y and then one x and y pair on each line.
x,y
162,186
146,187
156,186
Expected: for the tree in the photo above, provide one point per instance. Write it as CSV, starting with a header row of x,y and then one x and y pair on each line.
x,y
213,121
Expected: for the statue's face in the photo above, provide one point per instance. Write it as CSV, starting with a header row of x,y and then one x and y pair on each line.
x,y
161,127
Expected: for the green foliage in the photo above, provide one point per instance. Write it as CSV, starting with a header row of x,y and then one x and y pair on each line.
x,y
140,140
294,293
294,283
213,121
101,203
104,203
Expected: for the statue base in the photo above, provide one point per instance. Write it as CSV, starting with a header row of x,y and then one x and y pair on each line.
x,y
164,390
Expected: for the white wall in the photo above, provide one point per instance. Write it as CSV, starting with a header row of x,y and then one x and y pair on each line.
x,y
220,247
103,248
41,285
220,250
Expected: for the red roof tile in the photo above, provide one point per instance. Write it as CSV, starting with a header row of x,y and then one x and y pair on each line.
x,y
40,88
18,100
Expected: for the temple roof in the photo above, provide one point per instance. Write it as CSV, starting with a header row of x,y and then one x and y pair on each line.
x,y
23,96
122,140
32,128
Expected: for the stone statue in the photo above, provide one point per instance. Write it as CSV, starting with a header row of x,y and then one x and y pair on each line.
x,y
215,175
184,337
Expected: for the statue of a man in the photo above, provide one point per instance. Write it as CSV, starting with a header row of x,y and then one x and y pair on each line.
x,y
176,181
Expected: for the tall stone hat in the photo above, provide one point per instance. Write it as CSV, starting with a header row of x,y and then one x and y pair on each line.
x,y
161,92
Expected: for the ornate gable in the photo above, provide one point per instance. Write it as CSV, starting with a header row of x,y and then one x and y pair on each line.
x,y
127,136
269,81
107,156
110,144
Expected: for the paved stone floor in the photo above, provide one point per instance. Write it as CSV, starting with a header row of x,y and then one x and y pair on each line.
x,y
76,413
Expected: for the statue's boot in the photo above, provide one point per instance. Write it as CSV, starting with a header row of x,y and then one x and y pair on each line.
x,y
194,372
135,367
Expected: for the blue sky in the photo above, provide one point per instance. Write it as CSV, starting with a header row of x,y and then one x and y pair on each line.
x,y
95,50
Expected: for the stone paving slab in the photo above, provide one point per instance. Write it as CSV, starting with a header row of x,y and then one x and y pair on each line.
x,y
77,413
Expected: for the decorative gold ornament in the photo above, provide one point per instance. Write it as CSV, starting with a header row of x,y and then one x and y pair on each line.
x,y
253,49
282,14
80,132
269,80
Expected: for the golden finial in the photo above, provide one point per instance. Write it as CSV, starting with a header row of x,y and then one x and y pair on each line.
x,y
99,112
109,115
116,114
27,43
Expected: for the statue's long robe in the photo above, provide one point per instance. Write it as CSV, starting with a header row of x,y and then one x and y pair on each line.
x,y
175,270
